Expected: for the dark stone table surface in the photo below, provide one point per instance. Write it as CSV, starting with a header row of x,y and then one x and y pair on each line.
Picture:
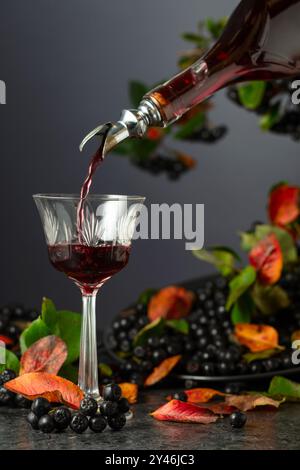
x,y
264,430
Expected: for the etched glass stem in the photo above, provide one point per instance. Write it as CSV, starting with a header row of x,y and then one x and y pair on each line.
x,y
88,366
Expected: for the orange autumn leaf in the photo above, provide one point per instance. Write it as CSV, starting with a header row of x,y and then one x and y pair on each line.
x,y
256,337
162,370
49,386
284,206
249,402
182,412
129,391
45,355
202,395
186,160
267,258
170,303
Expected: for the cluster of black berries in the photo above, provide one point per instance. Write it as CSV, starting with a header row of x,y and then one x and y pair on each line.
x,y
277,98
160,163
10,315
8,398
208,135
208,349
111,412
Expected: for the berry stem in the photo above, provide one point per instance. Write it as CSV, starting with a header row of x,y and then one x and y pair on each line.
x,y
88,367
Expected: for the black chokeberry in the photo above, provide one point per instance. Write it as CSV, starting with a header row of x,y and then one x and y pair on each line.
x,y
153,341
182,396
6,397
238,419
13,331
79,423
123,405
117,422
109,408
62,417
255,367
40,407
233,388
192,367
208,368
112,392
21,402
7,375
46,424
202,342
140,352
33,420
18,312
136,378
146,366
174,348
88,406
97,423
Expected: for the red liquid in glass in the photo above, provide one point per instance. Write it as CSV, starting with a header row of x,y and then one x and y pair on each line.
x,y
261,42
89,266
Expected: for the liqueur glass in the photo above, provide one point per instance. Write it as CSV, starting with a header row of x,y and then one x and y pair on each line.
x,y
89,255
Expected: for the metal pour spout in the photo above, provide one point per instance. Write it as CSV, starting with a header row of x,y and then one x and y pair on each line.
x,y
132,124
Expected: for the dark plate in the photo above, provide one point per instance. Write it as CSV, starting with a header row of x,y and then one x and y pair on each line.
x,y
239,378
194,284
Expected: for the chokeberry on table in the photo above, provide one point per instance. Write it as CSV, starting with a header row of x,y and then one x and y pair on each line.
x,y
62,417
88,406
7,375
182,396
79,423
21,402
112,392
123,405
33,420
97,423
109,408
117,422
238,419
40,406
46,424
6,397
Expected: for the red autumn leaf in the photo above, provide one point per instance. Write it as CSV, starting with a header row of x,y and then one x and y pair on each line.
x,y
182,412
266,257
45,355
129,391
155,133
170,303
284,206
49,386
162,370
202,395
249,402
6,340
256,337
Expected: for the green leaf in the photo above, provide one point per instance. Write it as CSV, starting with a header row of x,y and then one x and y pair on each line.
x,y
49,314
154,328
221,257
287,244
11,361
240,284
69,372
199,40
69,326
270,299
250,357
281,387
137,90
272,117
251,94
145,296
193,124
243,309
214,27
105,370
180,325
37,330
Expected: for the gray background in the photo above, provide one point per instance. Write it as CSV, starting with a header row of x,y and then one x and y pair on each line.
x,y
66,64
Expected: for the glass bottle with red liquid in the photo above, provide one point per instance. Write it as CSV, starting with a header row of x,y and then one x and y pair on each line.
x,y
260,42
